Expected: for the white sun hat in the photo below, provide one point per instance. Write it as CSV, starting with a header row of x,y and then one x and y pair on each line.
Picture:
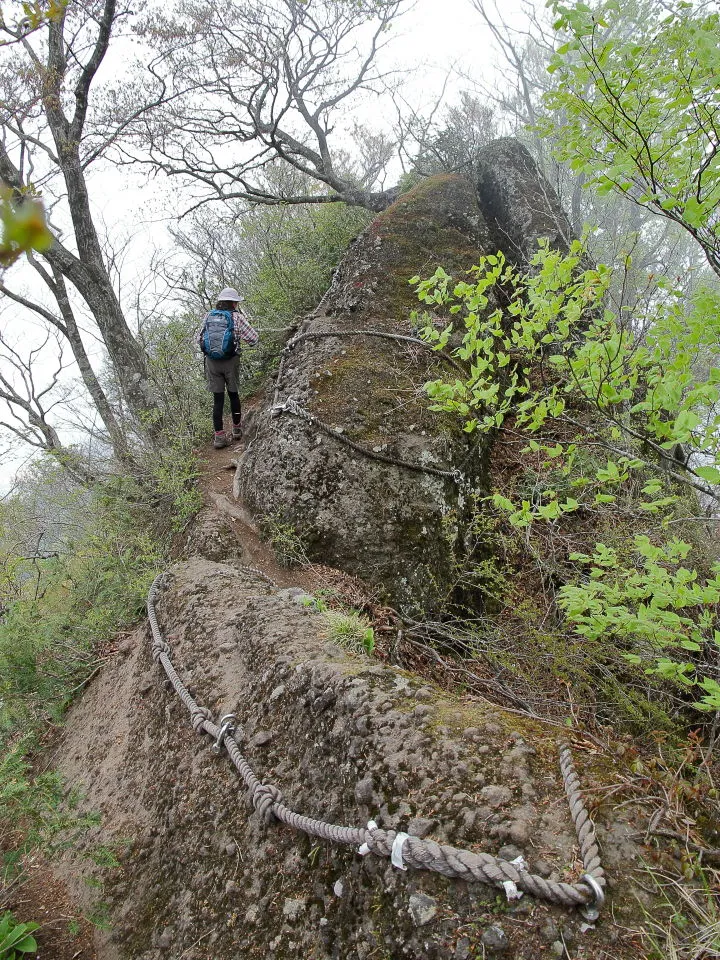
x,y
230,293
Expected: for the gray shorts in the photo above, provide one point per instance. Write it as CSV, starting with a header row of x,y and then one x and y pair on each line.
x,y
220,374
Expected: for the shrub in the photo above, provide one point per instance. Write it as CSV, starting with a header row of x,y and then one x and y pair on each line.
x,y
16,939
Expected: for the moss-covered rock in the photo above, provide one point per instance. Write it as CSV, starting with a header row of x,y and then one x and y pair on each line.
x,y
380,521
386,523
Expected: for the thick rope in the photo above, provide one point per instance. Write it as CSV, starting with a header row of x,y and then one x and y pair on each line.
x,y
293,407
317,335
414,851
584,827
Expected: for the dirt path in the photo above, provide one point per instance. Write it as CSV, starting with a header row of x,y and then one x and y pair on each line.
x,y
66,933
216,483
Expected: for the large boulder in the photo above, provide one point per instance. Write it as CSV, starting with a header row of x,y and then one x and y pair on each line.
x,y
397,527
404,530
519,204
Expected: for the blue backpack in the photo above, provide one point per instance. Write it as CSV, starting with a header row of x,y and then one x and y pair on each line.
x,y
218,335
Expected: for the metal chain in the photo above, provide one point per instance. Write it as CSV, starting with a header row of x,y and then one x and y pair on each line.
x,y
403,850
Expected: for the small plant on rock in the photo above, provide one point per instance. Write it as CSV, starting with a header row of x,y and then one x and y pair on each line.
x,y
350,629
285,541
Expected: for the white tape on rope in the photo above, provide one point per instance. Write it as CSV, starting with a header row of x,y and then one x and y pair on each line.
x,y
396,854
364,849
509,886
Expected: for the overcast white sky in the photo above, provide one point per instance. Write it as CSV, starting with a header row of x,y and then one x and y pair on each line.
x,y
434,37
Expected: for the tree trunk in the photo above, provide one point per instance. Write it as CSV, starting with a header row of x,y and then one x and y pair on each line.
x,y
88,273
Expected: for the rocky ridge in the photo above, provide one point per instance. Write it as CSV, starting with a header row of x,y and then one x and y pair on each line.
x,y
344,737
346,740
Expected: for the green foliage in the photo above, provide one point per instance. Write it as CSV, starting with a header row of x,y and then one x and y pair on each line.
x,y
635,105
553,348
350,629
32,809
47,638
603,413
74,602
16,939
35,14
656,602
177,373
685,924
343,625
298,247
57,613
285,540
315,603
23,226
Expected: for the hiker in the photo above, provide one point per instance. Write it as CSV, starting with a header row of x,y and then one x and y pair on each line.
x,y
220,335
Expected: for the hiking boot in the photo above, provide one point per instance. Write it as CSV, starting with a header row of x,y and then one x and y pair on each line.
x,y
220,440
237,432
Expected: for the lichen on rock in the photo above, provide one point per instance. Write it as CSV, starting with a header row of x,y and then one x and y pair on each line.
x,y
382,522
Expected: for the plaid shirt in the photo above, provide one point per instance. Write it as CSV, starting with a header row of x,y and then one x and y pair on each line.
x,y
243,332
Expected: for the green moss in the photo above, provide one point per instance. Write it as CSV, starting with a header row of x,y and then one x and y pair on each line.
x,y
427,227
361,395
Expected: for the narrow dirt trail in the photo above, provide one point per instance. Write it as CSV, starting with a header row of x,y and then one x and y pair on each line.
x,y
216,483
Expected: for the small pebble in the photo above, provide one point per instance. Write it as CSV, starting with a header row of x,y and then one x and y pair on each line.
x,y
421,827
462,950
422,909
549,931
261,739
495,939
365,790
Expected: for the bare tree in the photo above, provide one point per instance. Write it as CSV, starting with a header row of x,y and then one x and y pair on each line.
x,y
257,82
50,135
29,398
452,142
66,324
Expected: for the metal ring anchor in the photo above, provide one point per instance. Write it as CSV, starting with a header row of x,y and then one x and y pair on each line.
x,y
591,910
227,726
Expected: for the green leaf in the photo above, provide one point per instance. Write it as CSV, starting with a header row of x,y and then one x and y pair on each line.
x,y
711,474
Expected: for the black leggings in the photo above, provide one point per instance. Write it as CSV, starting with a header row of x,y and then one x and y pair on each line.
x,y
218,406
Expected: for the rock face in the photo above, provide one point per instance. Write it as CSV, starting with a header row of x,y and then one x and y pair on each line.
x,y
519,205
345,739
400,529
